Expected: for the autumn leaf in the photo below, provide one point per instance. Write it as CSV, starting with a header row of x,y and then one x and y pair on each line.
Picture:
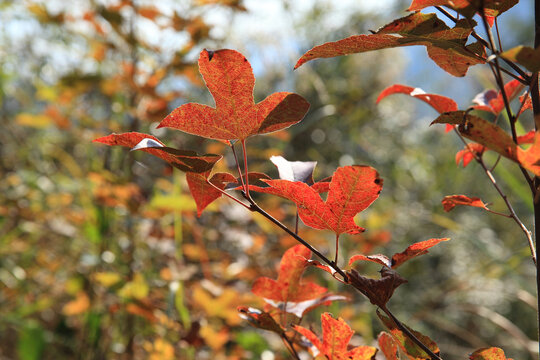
x,y
229,78
406,344
445,46
492,101
467,7
203,193
294,170
451,201
469,152
492,353
378,291
524,55
351,190
388,346
440,103
414,250
288,287
494,138
335,340
260,319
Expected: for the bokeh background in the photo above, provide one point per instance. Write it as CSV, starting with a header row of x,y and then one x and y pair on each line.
x,y
101,253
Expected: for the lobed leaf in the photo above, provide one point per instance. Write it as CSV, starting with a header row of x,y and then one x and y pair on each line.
x,y
351,190
288,287
230,80
445,46
203,193
451,201
336,337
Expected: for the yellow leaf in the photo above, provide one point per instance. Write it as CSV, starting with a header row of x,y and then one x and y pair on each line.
x,y
214,339
31,120
135,289
107,279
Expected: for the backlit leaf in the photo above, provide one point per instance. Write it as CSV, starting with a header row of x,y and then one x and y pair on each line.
x,y
524,55
288,287
416,249
336,337
468,153
407,345
445,46
203,193
229,78
440,103
494,138
351,190
451,201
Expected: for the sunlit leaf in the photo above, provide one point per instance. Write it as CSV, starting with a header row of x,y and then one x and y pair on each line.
x,y
229,78
388,346
335,340
445,46
451,201
491,353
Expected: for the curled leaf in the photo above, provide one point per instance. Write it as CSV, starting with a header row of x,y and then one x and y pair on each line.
x,y
378,291
294,170
260,319
451,201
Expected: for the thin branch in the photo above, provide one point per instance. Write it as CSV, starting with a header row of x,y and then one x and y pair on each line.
x,y
227,194
513,214
256,208
498,34
521,77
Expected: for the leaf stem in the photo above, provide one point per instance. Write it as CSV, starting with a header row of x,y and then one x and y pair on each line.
x,y
245,168
410,335
290,346
256,208
337,248
238,166
227,194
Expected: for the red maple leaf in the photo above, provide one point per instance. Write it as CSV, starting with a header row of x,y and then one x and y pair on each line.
x,y
288,287
414,250
229,78
446,47
351,190
336,337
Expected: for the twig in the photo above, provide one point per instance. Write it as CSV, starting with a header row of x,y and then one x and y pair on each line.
x,y
290,346
245,168
513,214
238,166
